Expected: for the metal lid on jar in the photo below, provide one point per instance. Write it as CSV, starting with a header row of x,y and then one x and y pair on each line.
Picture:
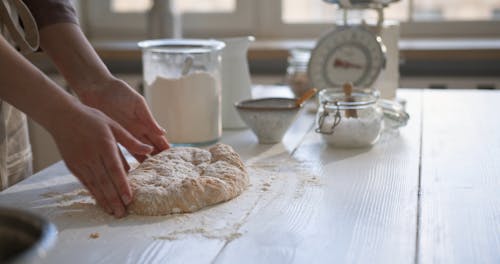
x,y
180,46
333,98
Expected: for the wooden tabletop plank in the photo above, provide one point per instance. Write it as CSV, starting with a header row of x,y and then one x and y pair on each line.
x,y
460,184
334,206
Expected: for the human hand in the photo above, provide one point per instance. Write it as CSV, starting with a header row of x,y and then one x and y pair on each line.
x,y
85,72
87,140
120,102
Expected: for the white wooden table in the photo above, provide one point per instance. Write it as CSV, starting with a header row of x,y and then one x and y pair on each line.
x,y
428,194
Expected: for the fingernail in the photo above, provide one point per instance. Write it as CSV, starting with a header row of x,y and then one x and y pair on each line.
x,y
126,199
150,148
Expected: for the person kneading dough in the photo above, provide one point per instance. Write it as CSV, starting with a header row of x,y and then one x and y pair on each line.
x,y
86,131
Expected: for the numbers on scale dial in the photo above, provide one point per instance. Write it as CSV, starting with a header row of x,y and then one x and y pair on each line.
x,y
346,55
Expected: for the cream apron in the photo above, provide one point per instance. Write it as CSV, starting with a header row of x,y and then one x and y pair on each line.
x,y
15,148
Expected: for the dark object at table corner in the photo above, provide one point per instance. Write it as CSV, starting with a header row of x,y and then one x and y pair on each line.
x,y
25,237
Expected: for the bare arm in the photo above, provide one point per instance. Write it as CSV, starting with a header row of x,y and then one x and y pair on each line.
x,y
86,137
25,87
96,86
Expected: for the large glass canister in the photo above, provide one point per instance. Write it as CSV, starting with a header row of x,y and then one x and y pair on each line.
x,y
182,88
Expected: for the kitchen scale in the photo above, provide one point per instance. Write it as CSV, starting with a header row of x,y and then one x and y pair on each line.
x,y
350,53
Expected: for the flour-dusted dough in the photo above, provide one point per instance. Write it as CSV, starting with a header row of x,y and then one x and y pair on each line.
x,y
185,179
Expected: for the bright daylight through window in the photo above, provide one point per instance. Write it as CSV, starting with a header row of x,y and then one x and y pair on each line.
x,y
124,6
306,11
300,11
300,18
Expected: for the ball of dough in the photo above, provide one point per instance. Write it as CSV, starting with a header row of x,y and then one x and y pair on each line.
x,y
186,179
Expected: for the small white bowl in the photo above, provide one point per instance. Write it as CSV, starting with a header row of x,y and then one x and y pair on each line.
x,y
268,118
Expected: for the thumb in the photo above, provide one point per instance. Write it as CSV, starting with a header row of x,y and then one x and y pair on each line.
x,y
132,144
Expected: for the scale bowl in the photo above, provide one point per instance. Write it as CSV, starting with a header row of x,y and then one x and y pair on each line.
x,y
268,118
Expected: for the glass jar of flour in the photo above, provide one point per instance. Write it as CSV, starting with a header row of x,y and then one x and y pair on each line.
x,y
182,88
351,121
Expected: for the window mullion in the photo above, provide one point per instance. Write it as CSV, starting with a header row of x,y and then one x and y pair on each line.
x,y
410,11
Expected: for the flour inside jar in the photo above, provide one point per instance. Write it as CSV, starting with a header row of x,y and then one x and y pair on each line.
x,y
188,107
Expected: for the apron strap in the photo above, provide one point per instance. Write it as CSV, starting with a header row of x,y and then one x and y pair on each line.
x,y
27,39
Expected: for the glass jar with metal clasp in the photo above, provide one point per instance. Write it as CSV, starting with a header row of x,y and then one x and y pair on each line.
x,y
348,121
357,120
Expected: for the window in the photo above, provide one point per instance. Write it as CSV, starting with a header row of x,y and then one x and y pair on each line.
x,y
124,6
418,18
127,19
293,18
299,11
184,6
449,10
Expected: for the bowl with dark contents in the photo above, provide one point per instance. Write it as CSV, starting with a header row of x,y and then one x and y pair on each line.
x,y
25,237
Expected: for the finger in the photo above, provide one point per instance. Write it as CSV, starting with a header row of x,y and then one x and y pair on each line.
x,y
118,177
132,144
108,189
83,176
79,174
159,142
142,113
125,164
141,158
90,183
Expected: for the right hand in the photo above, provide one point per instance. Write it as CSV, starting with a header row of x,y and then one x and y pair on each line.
x,y
87,140
124,105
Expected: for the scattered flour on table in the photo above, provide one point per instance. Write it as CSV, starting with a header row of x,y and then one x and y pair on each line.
x,y
68,197
223,221
199,231
50,194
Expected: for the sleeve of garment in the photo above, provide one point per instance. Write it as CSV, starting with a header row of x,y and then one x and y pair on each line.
x,y
48,12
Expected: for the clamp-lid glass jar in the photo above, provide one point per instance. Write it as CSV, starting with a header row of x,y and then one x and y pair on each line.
x,y
352,121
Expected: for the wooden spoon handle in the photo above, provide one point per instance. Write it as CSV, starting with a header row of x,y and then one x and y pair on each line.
x,y
308,94
347,87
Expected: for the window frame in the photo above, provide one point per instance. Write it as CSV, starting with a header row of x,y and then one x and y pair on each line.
x,y
101,22
276,28
262,18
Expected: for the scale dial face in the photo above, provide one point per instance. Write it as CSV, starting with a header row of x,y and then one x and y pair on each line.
x,y
351,54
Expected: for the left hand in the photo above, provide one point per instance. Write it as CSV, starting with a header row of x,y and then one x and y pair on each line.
x,y
123,104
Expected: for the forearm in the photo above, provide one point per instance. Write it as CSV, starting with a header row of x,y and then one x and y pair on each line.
x,y
28,89
73,55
